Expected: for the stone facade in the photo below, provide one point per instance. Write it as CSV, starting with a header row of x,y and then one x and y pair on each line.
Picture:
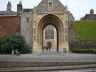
x,y
41,16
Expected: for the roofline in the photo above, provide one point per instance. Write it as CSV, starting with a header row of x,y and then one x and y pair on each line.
x,y
8,16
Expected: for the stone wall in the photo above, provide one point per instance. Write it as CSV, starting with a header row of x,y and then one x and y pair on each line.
x,y
82,44
27,27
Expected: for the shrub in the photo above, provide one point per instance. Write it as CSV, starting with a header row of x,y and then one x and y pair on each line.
x,y
15,41
2,49
82,50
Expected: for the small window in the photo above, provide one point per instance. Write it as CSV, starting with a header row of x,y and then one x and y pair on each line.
x,y
50,5
27,19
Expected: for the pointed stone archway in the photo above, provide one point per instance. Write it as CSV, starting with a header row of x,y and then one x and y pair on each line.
x,y
62,44
33,21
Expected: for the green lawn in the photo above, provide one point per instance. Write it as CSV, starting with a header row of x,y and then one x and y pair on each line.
x,y
86,30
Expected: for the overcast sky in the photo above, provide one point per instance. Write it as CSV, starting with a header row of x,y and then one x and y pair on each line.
x,y
77,7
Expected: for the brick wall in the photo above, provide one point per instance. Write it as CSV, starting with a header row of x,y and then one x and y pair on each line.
x,y
9,25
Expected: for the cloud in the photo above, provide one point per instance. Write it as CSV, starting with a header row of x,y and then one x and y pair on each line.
x,y
78,7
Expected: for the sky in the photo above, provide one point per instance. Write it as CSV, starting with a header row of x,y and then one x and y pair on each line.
x,y
77,7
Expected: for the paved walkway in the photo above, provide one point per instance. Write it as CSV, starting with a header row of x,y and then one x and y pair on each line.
x,y
78,70
60,57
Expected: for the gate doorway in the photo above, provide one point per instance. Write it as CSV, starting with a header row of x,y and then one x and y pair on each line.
x,y
46,20
50,39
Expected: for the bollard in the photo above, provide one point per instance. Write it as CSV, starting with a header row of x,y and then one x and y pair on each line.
x,y
64,50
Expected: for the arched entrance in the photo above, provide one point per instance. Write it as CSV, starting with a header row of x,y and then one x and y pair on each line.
x,y
59,25
50,39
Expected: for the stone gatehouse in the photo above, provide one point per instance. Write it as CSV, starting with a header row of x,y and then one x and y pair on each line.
x,y
48,25
48,12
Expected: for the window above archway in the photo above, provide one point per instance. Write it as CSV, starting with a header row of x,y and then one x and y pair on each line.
x,y
50,4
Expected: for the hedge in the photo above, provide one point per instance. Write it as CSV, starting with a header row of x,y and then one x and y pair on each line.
x,y
82,50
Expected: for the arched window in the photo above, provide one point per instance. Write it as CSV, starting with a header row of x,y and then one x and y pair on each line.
x,y
49,32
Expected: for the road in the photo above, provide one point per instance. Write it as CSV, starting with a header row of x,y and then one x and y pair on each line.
x,y
77,70
60,57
